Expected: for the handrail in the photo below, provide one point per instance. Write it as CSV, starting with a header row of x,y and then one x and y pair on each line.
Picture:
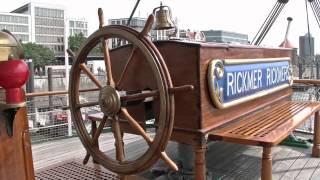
x,y
315,82
50,93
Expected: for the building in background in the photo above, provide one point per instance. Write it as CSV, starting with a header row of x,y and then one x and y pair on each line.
x,y
306,45
221,36
18,24
136,22
77,26
47,25
42,24
187,35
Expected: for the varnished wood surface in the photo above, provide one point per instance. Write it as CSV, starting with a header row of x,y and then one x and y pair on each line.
x,y
307,81
212,117
195,115
316,136
187,64
162,84
15,151
181,61
267,127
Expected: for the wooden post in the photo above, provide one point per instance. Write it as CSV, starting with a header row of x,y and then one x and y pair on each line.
x,y
15,151
93,132
50,86
300,70
30,82
200,160
317,70
30,89
316,137
266,168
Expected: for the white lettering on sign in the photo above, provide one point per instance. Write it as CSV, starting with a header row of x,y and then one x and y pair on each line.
x,y
276,75
244,81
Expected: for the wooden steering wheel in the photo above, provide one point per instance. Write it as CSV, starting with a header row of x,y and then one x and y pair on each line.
x,y
111,99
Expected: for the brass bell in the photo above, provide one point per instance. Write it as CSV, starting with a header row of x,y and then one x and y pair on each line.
x,y
163,18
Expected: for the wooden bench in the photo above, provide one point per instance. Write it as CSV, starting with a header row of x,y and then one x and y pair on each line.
x,y
269,126
198,119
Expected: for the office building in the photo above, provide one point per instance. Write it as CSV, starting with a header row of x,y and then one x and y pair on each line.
x,y
221,36
18,24
136,22
306,45
77,26
47,25
42,24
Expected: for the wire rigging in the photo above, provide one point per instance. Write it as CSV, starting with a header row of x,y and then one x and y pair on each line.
x,y
315,6
308,26
269,21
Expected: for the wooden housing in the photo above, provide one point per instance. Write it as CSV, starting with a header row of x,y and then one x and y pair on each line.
x,y
187,63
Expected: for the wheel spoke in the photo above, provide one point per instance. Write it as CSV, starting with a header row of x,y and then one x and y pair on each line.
x,y
136,125
105,49
144,32
90,75
141,131
88,104
118,139
140,96
119,83
147,26
99,130
107,62
95,138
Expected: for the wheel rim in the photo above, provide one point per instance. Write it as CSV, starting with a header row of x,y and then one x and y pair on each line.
x,y
112,106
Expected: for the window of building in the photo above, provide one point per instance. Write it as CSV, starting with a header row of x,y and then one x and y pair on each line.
x,y
71,23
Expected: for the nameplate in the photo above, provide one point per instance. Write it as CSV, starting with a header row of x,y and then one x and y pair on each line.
x,y
235,81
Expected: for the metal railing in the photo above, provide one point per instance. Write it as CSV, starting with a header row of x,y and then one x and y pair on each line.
x,y
48,112
307,92
49,117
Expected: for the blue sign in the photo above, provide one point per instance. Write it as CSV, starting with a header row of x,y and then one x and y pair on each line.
x,y
234,81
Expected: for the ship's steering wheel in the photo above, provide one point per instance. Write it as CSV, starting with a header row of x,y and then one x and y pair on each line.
x,y
111,99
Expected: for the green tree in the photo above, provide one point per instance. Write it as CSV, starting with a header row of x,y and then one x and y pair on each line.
x,y
39,54
77,40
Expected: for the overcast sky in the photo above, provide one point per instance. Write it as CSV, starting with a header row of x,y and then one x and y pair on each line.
x,y
244,16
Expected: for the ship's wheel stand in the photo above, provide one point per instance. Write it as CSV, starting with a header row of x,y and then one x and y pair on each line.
x,y
113,99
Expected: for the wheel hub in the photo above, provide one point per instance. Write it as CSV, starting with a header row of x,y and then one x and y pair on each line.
x,y
109,100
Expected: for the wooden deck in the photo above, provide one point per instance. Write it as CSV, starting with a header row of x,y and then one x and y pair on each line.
x,y
224,160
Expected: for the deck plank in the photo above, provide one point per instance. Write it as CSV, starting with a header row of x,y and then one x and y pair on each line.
x,y
309,169
285,164
224,160
296,167
316,174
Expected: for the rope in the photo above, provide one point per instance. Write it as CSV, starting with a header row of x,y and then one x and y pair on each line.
x,y
308,25
317,5
269,21
267,26
272,22
265,22
309,35
315,11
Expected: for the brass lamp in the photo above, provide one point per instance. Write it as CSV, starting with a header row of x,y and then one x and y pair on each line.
x,y
10,48
14,73
164,19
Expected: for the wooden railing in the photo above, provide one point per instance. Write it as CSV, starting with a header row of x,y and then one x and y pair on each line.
x,y
52,93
